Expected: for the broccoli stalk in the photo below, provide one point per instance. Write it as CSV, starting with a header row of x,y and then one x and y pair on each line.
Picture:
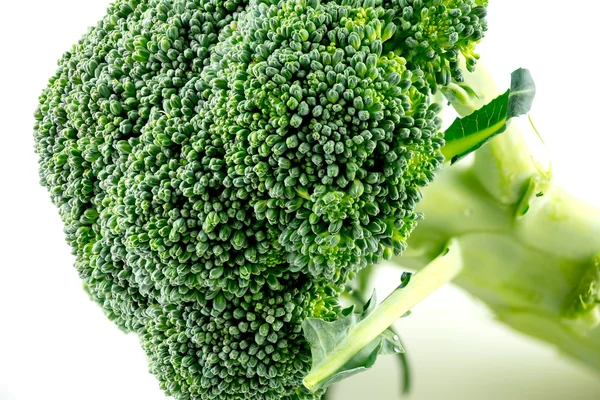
x,y
529,249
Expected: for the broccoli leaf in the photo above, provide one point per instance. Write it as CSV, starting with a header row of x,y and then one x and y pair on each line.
x,y
324,337
467,134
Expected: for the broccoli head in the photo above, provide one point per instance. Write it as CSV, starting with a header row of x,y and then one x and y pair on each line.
x,y
223,168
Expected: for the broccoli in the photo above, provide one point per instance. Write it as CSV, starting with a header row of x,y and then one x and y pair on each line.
x,y
223,172
226,171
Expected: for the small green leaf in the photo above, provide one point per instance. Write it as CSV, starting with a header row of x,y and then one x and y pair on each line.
x,y
467,134
324,336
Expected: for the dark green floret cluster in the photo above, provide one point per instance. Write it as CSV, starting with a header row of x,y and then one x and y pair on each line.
x,y
433,34
223,168
251,348
326,138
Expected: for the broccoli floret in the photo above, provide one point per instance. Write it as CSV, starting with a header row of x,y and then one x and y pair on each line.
x,y
433,35
110,164
307,106
250,347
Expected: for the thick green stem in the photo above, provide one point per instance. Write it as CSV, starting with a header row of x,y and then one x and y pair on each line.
x,y
545,216
440,271
538,274
529,249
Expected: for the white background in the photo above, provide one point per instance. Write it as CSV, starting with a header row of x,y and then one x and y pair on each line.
x,y
56,344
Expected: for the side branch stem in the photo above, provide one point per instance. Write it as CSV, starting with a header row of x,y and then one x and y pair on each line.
x,y
422,284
